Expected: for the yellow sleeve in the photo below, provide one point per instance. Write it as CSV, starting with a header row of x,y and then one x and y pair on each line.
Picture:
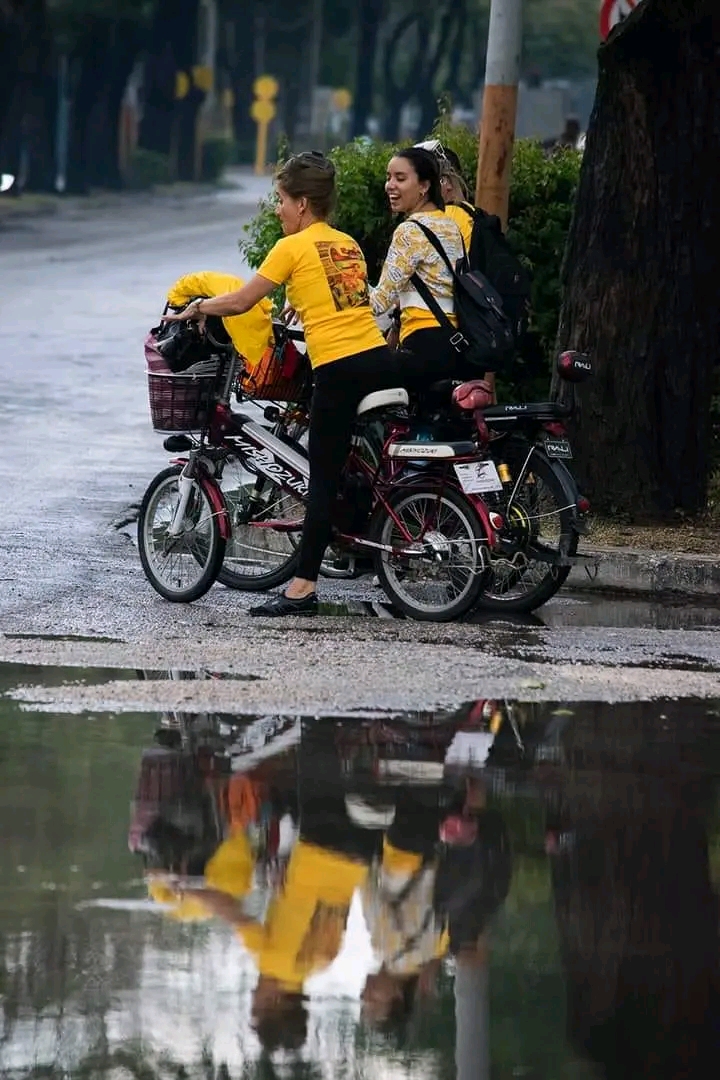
x,y
400,264
463,220
280,262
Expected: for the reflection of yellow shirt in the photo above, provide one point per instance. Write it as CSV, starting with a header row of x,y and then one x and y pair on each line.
x,y
250,333
411,253
463,220
326,279
305,923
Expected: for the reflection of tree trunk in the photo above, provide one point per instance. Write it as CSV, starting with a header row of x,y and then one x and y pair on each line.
x,y
640,277
369,14
636,913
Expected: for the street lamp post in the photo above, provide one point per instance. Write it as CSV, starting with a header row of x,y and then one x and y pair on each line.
x,y
499,110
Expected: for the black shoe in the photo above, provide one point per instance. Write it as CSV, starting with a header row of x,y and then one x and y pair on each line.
x,y
284,605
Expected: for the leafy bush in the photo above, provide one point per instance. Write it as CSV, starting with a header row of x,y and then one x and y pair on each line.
x,y
217,154
146,169
542,197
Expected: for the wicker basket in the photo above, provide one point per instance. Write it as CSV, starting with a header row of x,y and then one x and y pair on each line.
x,y
180,402
283,374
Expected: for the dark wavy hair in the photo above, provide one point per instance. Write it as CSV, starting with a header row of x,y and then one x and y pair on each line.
x,y
427,168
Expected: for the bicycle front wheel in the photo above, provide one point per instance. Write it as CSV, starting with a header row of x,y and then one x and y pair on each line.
x,y
181,568
438,574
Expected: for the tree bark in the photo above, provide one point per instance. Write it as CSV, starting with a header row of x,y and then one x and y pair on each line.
x,y
640,271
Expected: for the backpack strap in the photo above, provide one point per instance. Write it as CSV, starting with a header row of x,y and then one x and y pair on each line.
x,y
457,339
436,243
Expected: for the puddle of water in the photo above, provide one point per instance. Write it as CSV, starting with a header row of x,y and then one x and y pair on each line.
x,y
506,889
63,637
564,610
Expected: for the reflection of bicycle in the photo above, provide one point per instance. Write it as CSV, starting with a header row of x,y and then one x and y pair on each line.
x,y
427,537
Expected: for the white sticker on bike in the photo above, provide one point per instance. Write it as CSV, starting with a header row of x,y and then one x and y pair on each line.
x,y
478,477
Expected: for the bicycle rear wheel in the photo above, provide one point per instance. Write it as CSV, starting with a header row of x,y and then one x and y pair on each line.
x,y
441,571
181,568
539,529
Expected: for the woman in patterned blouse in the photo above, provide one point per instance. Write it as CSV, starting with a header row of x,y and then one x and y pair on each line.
x,y
413,189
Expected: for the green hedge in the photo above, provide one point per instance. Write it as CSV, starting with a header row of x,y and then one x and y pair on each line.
x,y
542,197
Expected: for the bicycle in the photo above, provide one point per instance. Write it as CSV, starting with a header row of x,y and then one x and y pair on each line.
x,y
427,529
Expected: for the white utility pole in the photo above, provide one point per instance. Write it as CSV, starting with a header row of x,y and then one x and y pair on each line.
x,y
499,110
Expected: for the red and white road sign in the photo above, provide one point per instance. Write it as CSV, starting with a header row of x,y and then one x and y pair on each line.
x,y
613,12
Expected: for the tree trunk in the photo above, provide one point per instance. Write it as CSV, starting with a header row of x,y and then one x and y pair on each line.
x,y
395,92
369,14
428,88
639,276
168,124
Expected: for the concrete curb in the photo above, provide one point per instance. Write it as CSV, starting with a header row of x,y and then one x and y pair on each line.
x,y
653,573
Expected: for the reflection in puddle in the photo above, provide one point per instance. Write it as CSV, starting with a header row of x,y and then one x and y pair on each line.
x,y
505,890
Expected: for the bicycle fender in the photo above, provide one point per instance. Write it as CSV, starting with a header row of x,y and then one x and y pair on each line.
x,y
216,499
479,506
564,477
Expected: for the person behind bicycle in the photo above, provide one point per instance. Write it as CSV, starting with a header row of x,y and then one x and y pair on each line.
x,y
325,276
413,189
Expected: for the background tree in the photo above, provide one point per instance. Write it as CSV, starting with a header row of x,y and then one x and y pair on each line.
x,y
640,275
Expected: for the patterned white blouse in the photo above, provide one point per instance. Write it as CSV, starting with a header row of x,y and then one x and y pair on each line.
x,y
411,252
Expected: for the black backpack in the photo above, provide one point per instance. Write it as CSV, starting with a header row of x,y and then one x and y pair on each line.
x,y
491,254
483,337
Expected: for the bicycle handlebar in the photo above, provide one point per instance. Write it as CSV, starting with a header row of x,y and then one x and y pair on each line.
x,y
287,332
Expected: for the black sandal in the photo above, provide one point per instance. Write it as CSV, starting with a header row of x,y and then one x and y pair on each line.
x,y
285,605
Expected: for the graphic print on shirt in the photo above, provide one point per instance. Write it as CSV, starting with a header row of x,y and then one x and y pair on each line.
x,y
344,267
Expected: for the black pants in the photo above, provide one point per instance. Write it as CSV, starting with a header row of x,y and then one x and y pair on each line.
x,y
426,357
339,388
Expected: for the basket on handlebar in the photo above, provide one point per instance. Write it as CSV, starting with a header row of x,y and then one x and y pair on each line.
x,y
181,402
283,374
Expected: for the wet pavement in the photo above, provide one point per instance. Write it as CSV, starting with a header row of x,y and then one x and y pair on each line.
x,y
203,814
503,889
77,294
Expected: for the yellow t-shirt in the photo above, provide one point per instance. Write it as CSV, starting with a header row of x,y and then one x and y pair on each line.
x,y
463,220
305,923
250,333
327,284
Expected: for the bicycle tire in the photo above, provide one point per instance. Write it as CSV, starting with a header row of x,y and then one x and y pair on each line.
x,y
474,543
208,555
238,553
496,597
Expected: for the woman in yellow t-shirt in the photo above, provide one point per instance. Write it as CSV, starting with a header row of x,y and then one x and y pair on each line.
x,y
326,278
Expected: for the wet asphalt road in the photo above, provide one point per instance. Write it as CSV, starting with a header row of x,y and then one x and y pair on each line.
x,y
78,292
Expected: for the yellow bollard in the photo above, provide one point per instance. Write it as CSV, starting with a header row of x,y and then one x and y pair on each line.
x,y
262,111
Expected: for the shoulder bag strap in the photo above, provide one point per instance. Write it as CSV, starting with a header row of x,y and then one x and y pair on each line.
x,y
457,339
